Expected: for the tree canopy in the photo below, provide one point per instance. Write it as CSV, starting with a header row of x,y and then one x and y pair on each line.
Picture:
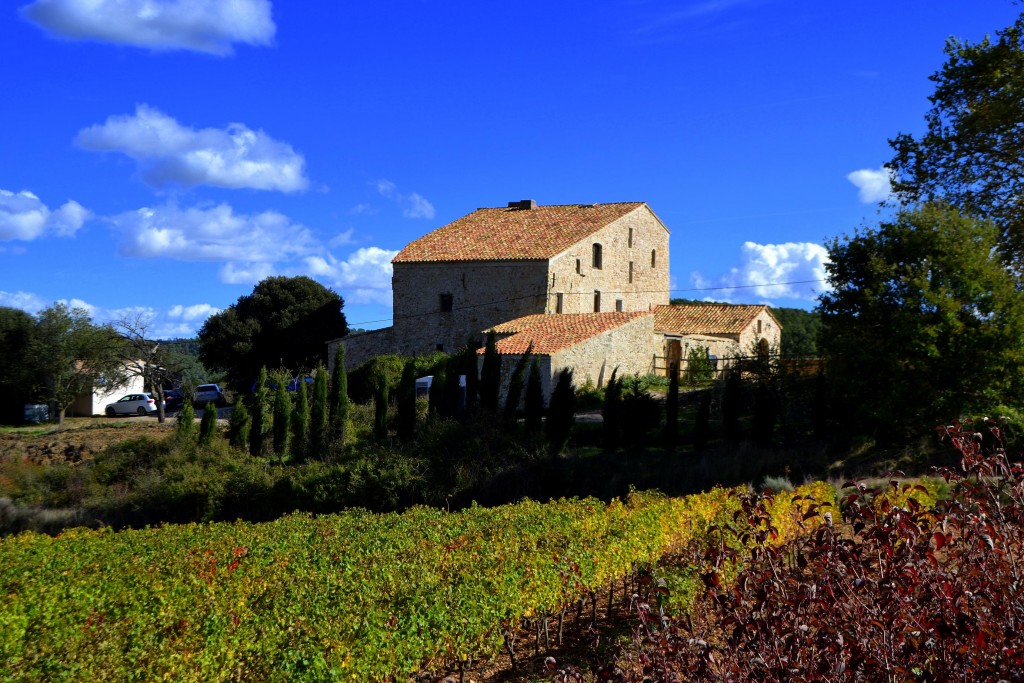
x,y
285,322
924,322
972,152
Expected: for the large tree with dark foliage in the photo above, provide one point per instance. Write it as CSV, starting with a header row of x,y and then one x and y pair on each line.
x,y
971,154
18,377
285,322
923,324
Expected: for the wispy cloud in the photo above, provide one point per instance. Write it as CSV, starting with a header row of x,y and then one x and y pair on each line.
x,y
245,273
214,233
763,266
210,26
657,24
170,154
23,216
873,185
414,205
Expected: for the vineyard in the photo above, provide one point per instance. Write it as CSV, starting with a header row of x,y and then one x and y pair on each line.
x,y
353,596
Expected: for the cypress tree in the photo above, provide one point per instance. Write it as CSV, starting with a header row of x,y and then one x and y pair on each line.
x,y
732,405
208,425
472,373
515,385
437,391
451,392
702,425
319,419
282,419
490,375
763,422
238,426
611,413
534,399
300,423
185,430
380,410
340,404
407,401
672,410
260,415
561,413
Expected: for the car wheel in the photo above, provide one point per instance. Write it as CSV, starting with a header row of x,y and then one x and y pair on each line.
x,y
141,411
110,412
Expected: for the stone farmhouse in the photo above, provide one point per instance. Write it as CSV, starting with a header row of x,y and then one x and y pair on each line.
x,y
586,284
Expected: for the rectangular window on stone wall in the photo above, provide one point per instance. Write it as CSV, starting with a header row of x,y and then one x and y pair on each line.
x,y
446,303
630,238
558,302
579,268
630,272
597,301
618,305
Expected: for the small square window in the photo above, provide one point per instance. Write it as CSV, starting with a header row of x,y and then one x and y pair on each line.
x,y
446,303
440,347
618,305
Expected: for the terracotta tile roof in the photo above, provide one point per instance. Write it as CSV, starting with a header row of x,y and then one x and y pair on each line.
x,y
514,234
553,332
705,318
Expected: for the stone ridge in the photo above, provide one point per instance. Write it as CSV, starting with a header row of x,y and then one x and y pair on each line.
x,y
511,234
550,333
706,318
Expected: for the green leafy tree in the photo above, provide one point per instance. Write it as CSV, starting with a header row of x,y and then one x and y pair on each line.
x,y
73,355
282,417
561,413
516,384
435,395
340,404
239,425
971,154
407,401
472,373
261,415
185,429
533,402
923,323
699,369
285,322
18,376
800,332
319,419
300,422
490,375
208,425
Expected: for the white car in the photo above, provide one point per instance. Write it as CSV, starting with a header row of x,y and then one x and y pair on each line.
x,y
132,404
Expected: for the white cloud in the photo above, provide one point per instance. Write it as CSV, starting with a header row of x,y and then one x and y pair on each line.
x,y
171,154
24,217
342,238
194,312
211,234
26,301
364,277
245,274
764,266
874,185
414,205
210,26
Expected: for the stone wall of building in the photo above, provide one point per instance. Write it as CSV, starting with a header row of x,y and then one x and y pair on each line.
x,y
619,248
630,348
766,328
361,347
483,294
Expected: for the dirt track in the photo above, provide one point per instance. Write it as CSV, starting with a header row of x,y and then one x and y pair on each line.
x,y
77,439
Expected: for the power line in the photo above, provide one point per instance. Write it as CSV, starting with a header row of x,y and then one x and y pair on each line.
x,y
533,296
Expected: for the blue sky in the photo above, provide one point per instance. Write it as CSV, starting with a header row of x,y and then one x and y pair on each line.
x,y
162,156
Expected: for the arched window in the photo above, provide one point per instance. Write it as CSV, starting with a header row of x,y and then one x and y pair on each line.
x,y
597,256
654,258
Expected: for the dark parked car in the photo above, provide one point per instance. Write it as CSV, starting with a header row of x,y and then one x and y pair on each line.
x,y
173,399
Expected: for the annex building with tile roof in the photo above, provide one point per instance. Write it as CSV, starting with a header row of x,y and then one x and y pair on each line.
x,y
587,285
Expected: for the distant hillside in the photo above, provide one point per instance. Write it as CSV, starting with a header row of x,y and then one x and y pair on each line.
x,y
799,328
